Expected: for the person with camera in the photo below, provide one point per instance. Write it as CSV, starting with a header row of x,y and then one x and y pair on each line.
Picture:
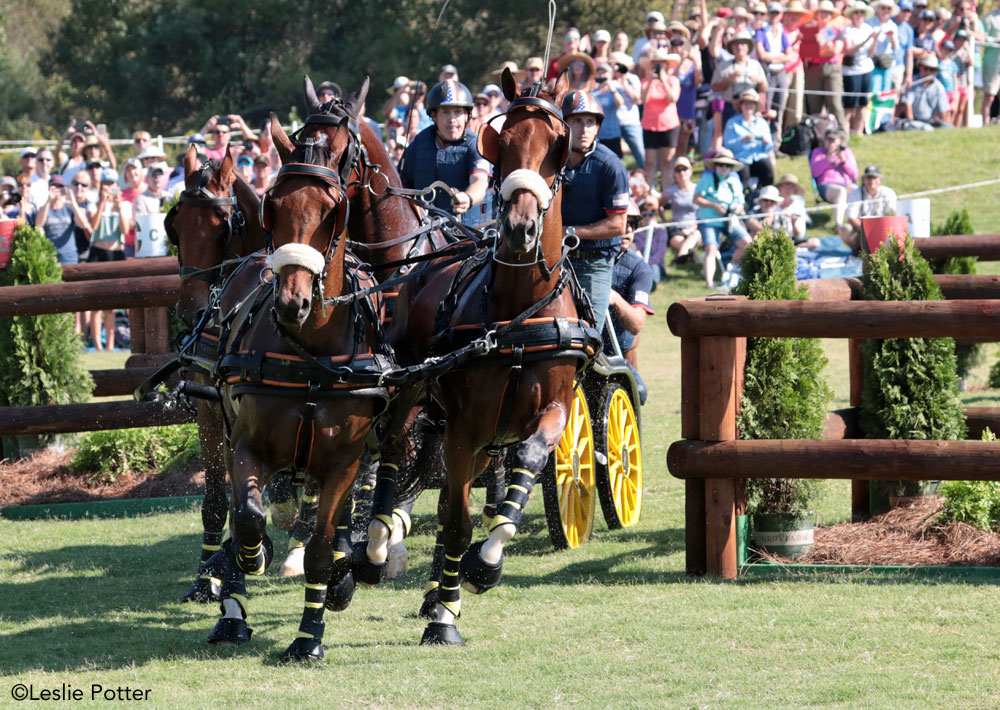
x,y
719,197
629,121
17,200
774,53
611,96
221,128
111,222
822,51
661,126
835,169
446,151
58,216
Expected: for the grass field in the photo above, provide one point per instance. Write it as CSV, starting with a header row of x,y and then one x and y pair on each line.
x,y
613,624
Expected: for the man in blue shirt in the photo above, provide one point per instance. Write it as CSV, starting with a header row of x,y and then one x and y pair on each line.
x,y
610,95
595,200
446,151
631,282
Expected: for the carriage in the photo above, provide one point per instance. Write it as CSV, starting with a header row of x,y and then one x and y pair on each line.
x,y
308,364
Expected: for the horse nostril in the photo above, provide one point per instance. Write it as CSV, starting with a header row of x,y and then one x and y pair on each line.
x,y
508,228
304,308
531,230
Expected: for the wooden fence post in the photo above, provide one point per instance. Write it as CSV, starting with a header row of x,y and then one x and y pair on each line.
x,y
860,491
694,491
157,331
720,366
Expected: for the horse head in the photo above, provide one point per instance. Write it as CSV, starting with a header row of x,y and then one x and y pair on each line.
x,y
306,209
528,153
201,226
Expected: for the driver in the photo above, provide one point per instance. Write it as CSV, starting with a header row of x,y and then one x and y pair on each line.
x,y
594,202
446,151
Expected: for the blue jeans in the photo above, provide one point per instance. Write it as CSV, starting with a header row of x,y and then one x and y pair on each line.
x,y
710,233
594,276
633,136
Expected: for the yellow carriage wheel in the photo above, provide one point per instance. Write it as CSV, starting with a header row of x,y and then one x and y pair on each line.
x,y
568,485
619,481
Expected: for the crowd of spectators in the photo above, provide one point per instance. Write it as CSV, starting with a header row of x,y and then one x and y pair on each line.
x,y
723,85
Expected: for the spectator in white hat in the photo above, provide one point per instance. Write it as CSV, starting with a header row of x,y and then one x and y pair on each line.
x,y
602,46
656,31
870,199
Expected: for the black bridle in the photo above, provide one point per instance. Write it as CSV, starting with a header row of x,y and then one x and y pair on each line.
x,y
228,207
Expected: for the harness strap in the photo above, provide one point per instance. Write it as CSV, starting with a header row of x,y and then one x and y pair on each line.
x,y
307,423
507,401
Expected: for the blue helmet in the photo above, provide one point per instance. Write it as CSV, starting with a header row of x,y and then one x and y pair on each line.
x,y
449,93
579,102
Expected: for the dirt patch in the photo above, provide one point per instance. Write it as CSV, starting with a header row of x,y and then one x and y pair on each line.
x,y
45,477
903,536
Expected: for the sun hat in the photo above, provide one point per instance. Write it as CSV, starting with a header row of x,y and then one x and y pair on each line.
x,y
746,96
567,59
29,151
151,151
775,8
621,58
164,168
534,63
791,179
723,156
742,12
8,181
602,36
827,6
91,142
109,175
743,37
132,162
242,160
883,3
654,15
660,56
758,8
683,161
398,83
491,87
676,26
795,7
769,194
517,73
857,7
930,61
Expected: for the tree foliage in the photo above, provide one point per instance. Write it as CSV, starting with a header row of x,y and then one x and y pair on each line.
x,y
784,394
40,356
911,384
967,356
167,65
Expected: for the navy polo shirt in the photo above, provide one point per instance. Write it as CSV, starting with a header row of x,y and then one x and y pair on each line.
x,y
632,279
595,188
424,162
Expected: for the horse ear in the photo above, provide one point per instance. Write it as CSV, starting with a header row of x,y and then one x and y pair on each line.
x,y
190,160
488,143
359,96
357,100
561,88
281,140
510,88
226,176
312,101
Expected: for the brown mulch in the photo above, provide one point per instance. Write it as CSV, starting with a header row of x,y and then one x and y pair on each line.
x,y
903,536
44,477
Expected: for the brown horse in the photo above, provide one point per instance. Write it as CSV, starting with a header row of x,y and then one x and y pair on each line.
x,y
516,305
301,371
214,224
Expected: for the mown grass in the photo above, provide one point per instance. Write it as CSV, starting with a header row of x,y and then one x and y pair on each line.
x,y
615,623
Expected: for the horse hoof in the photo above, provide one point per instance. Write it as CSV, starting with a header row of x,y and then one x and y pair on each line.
x,y
396,564
294,564
204,590
427,608
479,576
439,634
230,630
303,649
366,572
340,592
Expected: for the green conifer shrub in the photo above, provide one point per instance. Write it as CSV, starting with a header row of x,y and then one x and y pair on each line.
x,y
967,356
784,393
107,455
911,385
40,356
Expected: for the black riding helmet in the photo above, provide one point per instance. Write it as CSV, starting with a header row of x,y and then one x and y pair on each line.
x,y
449,93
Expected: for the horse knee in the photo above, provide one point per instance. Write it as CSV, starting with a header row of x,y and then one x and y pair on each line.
x,y
532,454
250,521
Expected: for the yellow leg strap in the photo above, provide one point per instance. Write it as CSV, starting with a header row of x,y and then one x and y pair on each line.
x,y
500,520
430,586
